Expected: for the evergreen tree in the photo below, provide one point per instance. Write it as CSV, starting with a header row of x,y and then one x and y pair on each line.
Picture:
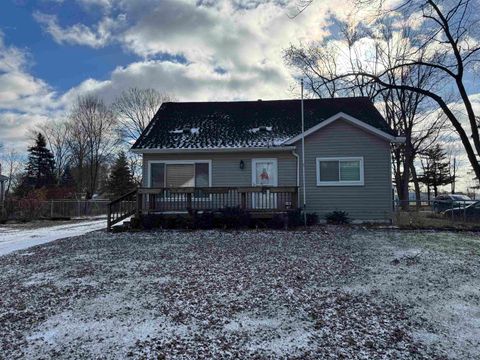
x,y
436,169
67,179
40,170
120,180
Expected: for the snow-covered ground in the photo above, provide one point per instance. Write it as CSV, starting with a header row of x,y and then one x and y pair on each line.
x,y
18,238
330,293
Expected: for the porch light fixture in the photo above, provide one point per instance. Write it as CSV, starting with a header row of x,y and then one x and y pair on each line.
x,y
242,164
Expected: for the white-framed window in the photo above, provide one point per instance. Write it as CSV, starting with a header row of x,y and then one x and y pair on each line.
x,y
177,174
340,171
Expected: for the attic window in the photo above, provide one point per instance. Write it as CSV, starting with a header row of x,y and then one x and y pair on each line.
x,y
185,131
261,129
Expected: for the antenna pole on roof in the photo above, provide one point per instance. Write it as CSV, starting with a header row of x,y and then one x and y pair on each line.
x,y
303,161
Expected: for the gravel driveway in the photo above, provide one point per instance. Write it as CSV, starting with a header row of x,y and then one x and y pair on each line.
x,y
331,292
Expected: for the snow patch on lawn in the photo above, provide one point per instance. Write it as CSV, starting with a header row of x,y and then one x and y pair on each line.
x,y
106,324
13,239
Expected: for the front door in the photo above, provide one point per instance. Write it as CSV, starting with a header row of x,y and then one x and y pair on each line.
x,y
264,173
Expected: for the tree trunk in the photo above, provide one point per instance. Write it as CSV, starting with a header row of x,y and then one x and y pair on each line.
x,y
407,164
416,184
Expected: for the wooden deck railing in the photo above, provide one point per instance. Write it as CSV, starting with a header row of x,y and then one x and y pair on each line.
x,y
266,199
172,200
122,208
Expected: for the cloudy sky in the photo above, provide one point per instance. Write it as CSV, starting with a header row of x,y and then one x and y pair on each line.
x,y
53,50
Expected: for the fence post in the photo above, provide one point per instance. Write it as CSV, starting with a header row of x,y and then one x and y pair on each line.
x,y
139,204
109,217
51,208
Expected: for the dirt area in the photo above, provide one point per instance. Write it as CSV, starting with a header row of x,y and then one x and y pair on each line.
x,y
330,292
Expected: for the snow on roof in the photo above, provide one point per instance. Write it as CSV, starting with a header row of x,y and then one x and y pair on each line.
x,y
246,123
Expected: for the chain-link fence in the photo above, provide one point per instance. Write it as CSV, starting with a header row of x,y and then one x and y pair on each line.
x,y
29,209
445,211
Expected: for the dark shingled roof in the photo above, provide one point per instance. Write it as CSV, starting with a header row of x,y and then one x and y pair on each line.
x,y
235,124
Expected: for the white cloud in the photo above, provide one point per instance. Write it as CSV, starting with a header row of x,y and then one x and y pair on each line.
x,y
24,99
78,34
187,82
233,49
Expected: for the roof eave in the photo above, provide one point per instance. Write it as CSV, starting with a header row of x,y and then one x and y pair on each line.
x,y
399,140
354,121
214,150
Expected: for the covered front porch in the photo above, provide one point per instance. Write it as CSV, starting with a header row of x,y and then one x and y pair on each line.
x,y
264,201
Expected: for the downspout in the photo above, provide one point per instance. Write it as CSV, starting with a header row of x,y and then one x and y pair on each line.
x,y
294,153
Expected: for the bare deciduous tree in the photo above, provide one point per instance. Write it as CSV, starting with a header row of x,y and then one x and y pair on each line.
x,y
92,127
404,110
12,166
56,133
444,38
134,109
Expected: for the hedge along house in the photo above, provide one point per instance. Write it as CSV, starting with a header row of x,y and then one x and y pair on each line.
x,y
210,155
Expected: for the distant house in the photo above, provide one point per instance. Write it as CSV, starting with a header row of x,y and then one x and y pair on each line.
x,y
3,180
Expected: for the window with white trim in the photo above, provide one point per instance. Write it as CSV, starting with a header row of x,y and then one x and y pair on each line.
x,y
340,171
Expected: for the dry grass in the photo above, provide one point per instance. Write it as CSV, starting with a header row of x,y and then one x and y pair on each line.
x,y
429,220
329,292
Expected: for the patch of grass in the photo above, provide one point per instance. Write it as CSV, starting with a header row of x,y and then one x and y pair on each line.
x,y
426,220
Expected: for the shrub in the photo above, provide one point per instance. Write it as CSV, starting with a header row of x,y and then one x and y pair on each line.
x,y
204,221
278,221
337,217
184,222
31,206
234,218
169,222
295,218
312,219
151,221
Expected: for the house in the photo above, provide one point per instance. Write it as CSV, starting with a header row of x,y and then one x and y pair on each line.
x,y
208,155
3,180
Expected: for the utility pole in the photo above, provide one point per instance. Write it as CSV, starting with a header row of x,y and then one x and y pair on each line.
x,y
303,163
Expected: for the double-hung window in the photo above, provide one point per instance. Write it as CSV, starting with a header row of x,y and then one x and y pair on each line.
x,y
340,171
178,174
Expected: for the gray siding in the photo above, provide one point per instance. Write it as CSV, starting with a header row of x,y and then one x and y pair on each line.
x,y
373,200
226,166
